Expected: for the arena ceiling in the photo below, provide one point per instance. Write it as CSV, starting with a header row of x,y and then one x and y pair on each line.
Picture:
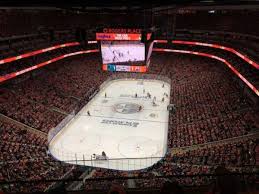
x,y
118,5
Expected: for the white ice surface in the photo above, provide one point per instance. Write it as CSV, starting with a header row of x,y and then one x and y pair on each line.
x,y
127,147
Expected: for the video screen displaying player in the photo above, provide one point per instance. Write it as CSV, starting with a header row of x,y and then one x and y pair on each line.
x,y
122,51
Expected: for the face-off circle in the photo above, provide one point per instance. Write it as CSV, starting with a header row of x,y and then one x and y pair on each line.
x,y
138,147
127,108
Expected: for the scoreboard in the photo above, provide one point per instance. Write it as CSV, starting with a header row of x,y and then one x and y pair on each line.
x,y
124,49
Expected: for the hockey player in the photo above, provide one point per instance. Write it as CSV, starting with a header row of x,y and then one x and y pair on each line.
x,y
166,95
104,155
148,95
88,113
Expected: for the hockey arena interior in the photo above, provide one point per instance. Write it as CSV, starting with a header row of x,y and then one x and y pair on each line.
x,y
130,97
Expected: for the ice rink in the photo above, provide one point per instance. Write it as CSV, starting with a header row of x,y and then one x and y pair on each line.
x,y
123,122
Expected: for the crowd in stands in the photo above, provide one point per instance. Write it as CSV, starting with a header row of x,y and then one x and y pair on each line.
x,y
33,103
243,43
246,69
23,157
99,173
219,21
209,108
229,154
16,46
21,64
222,108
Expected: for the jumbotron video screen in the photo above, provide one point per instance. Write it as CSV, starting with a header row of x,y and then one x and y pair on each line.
x,y
122,51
